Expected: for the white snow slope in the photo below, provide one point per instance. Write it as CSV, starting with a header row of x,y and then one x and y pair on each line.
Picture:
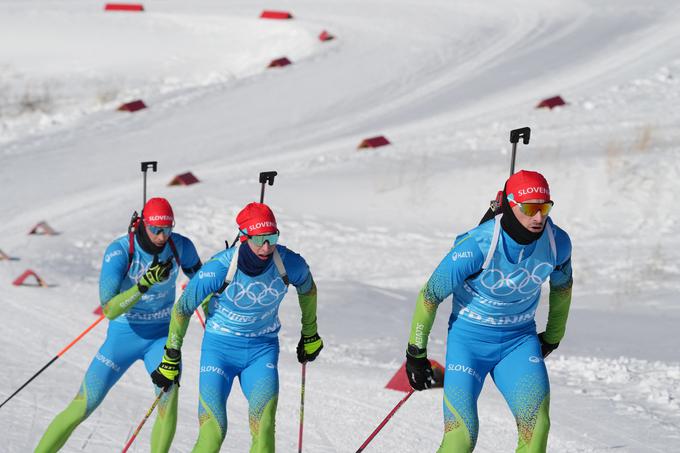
x,y
445,81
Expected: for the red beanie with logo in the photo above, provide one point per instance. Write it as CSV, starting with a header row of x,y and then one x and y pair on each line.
x,y
256,219
158,212
526,185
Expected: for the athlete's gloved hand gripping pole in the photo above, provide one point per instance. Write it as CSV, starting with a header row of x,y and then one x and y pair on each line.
x,y
418,367
123,302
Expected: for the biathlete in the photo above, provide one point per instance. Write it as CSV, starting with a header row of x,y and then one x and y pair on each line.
x,y
242,288
495,272
137,292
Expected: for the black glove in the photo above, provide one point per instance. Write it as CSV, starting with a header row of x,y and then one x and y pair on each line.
x,y
157,272
168,371
418,369
309,347
546,348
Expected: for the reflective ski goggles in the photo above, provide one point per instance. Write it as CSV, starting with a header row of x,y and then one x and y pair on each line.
x,y
531,209
158,230
260,239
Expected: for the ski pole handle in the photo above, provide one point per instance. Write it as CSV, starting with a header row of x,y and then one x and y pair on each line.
x,y
384,422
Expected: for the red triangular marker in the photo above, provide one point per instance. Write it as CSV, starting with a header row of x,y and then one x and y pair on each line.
x,y
28,273
42,228
185,179
374,142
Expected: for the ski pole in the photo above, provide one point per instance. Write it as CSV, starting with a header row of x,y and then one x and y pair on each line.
x,y
525,134
154,167
384,422
302,406
59,354
139,427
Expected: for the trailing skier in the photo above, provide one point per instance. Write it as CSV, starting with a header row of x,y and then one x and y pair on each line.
x,y
137,292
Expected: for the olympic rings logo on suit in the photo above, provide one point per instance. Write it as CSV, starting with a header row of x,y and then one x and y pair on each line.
x,y
256,293
520,280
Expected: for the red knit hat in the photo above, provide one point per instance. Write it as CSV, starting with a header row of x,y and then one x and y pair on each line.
x,y
158,212
526,185
256,219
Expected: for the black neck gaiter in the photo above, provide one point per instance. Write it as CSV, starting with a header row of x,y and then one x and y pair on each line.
x,y
249,263
145,241
516,230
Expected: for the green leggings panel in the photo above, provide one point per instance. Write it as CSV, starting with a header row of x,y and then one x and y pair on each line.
x,y
62,426
262,431
457,438
68,420
166,421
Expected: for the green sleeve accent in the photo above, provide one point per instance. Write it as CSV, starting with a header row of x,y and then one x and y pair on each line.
x,y
179,322
423,318
122,302
308,307
558,312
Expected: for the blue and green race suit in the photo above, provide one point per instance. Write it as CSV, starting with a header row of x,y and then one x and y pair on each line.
x,y
137,331
496,285
241,340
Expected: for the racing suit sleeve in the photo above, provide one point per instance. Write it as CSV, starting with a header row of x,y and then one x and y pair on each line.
x,y
559,301
114,267
199,290
307,302
301,277
189,259
464,259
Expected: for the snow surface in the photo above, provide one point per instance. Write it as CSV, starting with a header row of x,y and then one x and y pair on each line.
x,y
445,82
